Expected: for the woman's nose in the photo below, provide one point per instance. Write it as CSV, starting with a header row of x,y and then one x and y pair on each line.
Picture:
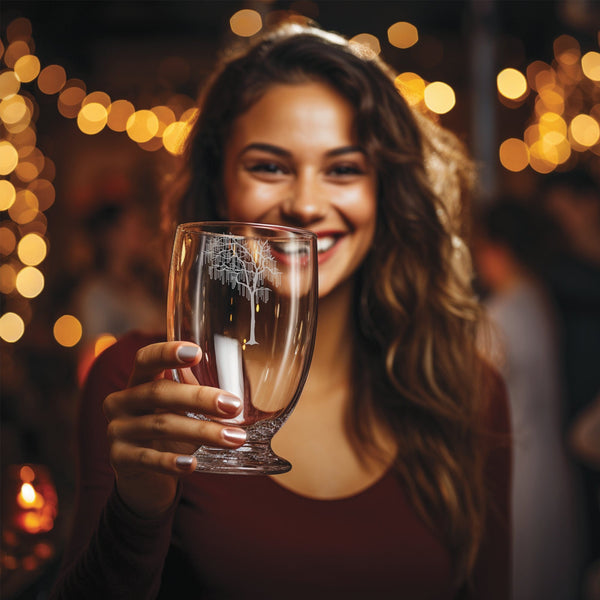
x,y
306,202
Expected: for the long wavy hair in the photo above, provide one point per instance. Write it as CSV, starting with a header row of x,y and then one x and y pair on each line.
x,y
416,312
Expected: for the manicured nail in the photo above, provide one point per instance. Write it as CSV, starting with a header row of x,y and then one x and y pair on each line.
x,y
237,436
187,353
184,461
229,404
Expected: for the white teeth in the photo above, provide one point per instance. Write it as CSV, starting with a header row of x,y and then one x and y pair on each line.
x,y
325,243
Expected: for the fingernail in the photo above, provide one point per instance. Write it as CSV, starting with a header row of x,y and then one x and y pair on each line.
x,y
229,404
237,436
187,353
184,461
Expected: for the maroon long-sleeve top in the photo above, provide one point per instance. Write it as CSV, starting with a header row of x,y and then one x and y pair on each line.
x,y
230,536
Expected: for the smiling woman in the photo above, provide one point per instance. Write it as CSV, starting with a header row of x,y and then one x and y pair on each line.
x,y
398,444
292,159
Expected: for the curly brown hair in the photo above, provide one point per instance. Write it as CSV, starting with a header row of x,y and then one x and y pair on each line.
x,y
417,366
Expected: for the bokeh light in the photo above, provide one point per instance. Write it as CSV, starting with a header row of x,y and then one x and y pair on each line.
x,y
9,157
32,249
30,282
119,113
52,79
8,194
590,63
15,51
27,68
92,118
585,130
514,154
246,22
175,136
439,97
25,207
142,125
8,276
403,35
8,241
368,42
511,83
411,86
103,342
67,331
12,327
9,84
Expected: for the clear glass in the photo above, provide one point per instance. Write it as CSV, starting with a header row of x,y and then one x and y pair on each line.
x,y
247,295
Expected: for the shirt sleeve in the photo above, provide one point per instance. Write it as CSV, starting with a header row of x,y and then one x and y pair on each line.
x,y
112,553
491,576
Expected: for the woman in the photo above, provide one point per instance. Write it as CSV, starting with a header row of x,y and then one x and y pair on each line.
x,y
394,442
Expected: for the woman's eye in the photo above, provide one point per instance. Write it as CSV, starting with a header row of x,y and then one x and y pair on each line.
x,y
341,170
266,167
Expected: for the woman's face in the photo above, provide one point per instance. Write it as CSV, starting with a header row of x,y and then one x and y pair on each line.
x,y
292,159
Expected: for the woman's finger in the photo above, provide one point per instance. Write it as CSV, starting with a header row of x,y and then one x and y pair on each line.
x,y
151,361
167,395
125,457
173,427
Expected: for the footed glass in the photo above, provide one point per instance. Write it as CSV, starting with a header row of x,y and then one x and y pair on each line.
x,y
247,295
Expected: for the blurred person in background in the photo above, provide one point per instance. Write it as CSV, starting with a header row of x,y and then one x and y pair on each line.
x,y
119,292
524,345
572,200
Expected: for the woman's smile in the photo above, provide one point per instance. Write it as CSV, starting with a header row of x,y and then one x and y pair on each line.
x,y
292,159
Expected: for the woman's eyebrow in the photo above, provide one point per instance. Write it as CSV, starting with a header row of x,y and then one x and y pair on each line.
x,y
266,148
277,150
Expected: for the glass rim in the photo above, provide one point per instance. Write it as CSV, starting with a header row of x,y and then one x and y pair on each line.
x,y
198,227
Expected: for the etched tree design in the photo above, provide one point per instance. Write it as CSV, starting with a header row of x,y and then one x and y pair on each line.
x,y
244,265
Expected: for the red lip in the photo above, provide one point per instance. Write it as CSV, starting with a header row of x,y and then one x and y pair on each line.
x,y
337,236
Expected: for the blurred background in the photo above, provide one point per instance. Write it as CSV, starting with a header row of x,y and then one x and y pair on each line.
x,y
95,101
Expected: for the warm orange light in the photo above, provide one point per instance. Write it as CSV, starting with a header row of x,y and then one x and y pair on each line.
x,y
8,241
30,282
118,114
403,34
585,130
13,109
67,331
514,154
27,474
103,342
8,194
97,97
590,64
92,118
52,79
368,42
25,207
29,498
511,83
31,249
165,117
12,327
14,51
411,86
175,136
439,97
566,50
246,22
9,84
69,101
9,157
142,125
27,68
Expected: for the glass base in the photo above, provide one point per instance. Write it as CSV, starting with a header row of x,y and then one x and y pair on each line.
x,y
253,458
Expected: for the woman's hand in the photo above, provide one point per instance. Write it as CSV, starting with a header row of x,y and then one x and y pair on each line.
x,y
150,436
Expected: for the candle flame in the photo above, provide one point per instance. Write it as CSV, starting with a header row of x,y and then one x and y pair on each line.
x,y
29,498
